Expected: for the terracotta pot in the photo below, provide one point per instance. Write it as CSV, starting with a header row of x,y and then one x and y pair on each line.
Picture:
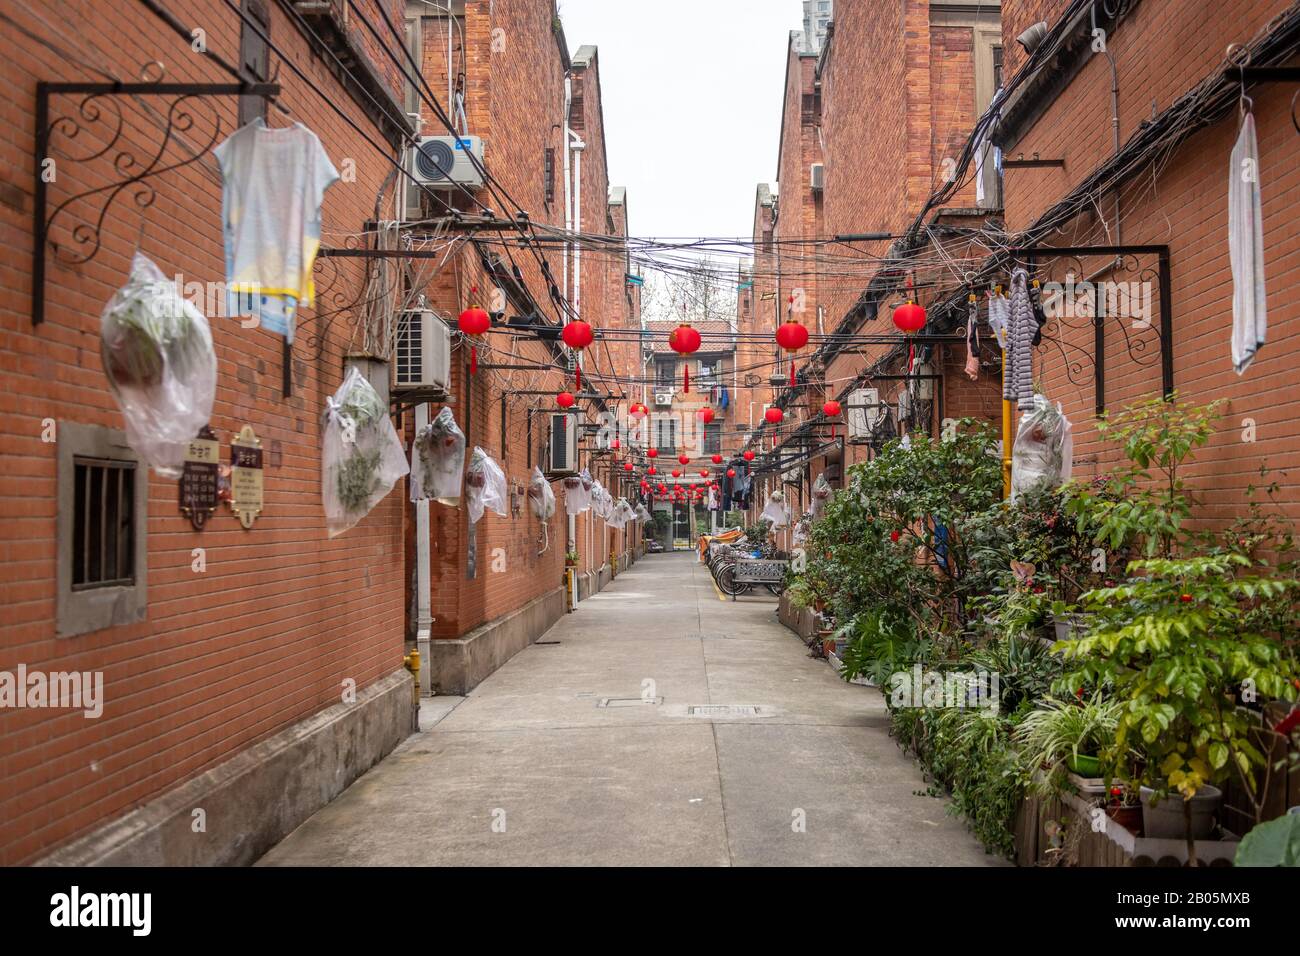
x,y
1130,818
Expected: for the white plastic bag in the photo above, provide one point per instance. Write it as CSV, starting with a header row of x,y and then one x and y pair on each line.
x,y
438,461
540,496
821,493
602,503
157,352
485,486
775,510
577,494
641,513
362,456
1038,455
621,514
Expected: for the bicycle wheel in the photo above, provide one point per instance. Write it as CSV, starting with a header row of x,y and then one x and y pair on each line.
x,y
727,581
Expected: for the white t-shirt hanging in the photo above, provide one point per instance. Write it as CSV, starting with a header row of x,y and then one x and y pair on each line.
x,y
273,183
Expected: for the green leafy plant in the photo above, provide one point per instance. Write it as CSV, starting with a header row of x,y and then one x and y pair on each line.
x,y
1275,843
1057,730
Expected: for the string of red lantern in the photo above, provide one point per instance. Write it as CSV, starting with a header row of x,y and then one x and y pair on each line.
x,y
684,340
577,335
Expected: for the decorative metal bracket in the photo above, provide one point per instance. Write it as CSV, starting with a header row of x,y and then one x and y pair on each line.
x,y
1136,335
100,106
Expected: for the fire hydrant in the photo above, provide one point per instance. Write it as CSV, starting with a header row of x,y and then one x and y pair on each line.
x,y
412,663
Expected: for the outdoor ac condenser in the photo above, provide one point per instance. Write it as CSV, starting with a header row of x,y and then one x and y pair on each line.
x,y
422,352
444,161
563,457
859,418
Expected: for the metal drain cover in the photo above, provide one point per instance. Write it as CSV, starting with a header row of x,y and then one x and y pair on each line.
x,y
709,637
726,710
629,701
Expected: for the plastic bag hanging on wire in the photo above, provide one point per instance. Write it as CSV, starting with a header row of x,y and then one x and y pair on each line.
x,y
775,510
438,461
1039,457
641,513
485,486
621,514
157,352
362,457
602,503
821,493
802,529
540,496
577,494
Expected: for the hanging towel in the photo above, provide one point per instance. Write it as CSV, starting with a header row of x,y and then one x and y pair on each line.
x,y
1018,380
1246,249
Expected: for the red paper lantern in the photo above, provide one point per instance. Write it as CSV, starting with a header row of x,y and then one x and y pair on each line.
x,y
684,459
706,414
627,466
909,317
774,415
565,399
473,322
731,473
663,489
577,335
704,472
652,470
638,411
792,336
684,340
831,410
677,472
614,444
748,456
717,459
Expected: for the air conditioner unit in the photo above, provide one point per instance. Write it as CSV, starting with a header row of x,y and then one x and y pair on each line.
x,y
818,177
444,161
421,352
563,457
664,398
860,419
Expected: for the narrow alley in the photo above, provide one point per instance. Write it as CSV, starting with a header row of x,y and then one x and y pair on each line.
x,y
559,746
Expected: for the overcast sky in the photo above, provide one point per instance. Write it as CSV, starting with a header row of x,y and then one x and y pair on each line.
x,y
692,101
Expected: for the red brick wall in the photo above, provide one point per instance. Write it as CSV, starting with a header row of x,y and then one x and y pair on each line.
x,y
1161,50
283,615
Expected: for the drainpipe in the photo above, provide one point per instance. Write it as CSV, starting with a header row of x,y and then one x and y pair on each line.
x,y
578,147
423,596
568,191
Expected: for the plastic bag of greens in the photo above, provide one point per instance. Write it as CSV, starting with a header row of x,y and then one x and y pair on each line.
x,y
621,514
438,461
540,496
821,493
641,513
485,486
775,510
362,456
577,494
602,503
157,352
1038,457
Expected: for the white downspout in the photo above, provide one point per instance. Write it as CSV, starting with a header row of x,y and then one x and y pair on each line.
x,y
423,594
568,190
578,147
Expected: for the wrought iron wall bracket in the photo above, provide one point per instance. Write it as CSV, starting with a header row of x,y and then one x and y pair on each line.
x,y
98,105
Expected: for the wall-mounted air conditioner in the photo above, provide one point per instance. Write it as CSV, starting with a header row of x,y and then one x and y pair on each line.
x,y
859,418
563,451
818,177
444,161
422,351
664,398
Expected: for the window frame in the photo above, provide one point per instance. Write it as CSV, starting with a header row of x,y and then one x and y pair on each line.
x,y
80,609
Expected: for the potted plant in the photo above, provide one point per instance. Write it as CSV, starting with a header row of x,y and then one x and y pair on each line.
x,y
1124,808
571,559
1063,735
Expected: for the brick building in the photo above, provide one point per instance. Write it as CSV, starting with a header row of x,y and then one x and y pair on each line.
x,y
253,672
928,71
1144,131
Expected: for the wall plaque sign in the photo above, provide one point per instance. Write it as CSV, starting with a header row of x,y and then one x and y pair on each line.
x,y
246,476
198,484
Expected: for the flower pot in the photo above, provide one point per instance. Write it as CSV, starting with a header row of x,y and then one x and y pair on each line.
x,y
1130,818
1165,820
1084,765
1070,627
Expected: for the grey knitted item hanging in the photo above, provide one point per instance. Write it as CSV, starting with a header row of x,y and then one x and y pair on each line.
x,y
1018,384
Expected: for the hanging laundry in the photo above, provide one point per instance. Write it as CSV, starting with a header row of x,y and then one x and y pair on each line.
x,y
273,183
1040,316
973,340
1018,377
1246,249
999,317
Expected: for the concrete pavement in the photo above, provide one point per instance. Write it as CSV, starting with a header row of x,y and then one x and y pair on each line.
x,y
556,759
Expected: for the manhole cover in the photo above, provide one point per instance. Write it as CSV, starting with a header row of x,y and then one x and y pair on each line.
x,y
709,637
629,701
726,710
